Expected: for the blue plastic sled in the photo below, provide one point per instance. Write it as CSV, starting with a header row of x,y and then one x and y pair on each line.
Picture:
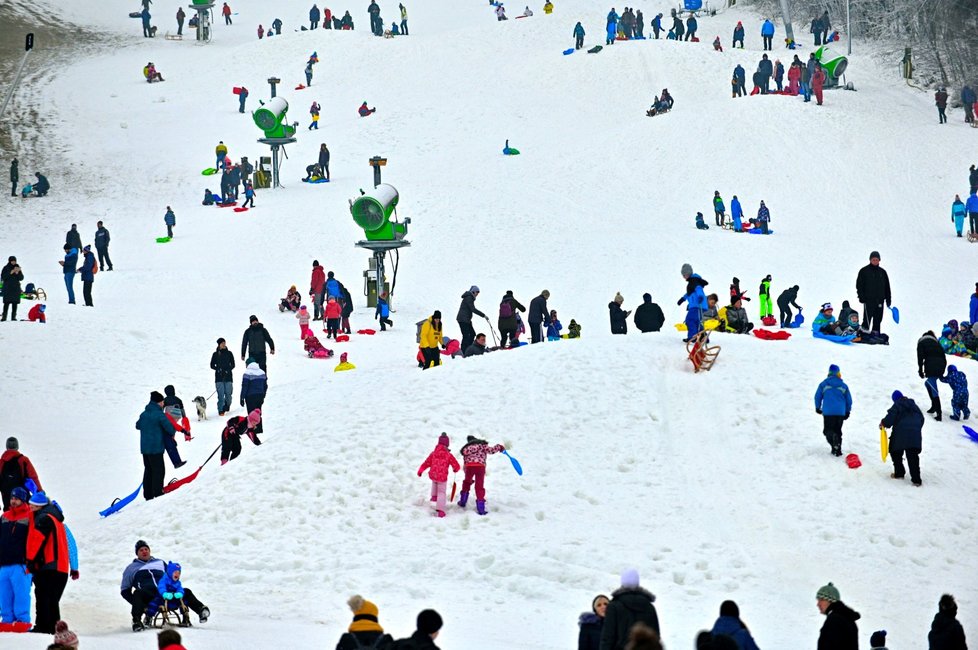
x,y
757,231
834,338
896,315
799,319
569,50
519,468
692,5
119,504
321,180
969,433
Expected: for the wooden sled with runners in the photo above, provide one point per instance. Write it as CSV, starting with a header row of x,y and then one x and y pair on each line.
x,y
701,354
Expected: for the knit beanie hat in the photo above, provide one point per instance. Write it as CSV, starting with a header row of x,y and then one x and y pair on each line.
x,y
12,443
834,369
874,254
629,578
364,615
618,298
729,608
437,314
39,499
947,604
829,593
443,439
897,396
64,636
141,544
155,397
254,418
20,493
473,289
878,640
429,621
687,270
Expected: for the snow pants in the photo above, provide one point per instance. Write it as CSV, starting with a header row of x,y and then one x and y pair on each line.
x,y
973,221
536,332
48,587
438,489
253,402
578,44
765,301
15,594
913,460
153,473
784,312
476,474
693,324
832,429
432,358
959,404
103,257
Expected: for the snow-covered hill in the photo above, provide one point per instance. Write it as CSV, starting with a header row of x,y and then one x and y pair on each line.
x,y
715,486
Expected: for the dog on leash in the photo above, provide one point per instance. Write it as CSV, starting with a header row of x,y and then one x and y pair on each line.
x,y
201,405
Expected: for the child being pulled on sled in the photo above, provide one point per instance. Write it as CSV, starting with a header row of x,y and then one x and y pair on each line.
x,y
314,349
959,396
437,464
474,454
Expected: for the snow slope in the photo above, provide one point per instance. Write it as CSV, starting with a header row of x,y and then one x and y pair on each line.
x,y
714,486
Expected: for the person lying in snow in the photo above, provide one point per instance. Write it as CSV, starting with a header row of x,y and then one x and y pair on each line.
x,y
292,301
233,430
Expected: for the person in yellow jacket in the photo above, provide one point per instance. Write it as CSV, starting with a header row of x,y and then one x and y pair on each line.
x,y
221,151
548,8
344,364
430,340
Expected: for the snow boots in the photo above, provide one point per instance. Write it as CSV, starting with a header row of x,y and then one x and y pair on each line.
x,y
935,407
463,499
480,506
205,613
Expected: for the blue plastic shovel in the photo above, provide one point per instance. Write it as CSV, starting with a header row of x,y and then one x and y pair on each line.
x,y
516,463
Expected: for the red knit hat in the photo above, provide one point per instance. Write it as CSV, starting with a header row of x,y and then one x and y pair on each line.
x,y
64,636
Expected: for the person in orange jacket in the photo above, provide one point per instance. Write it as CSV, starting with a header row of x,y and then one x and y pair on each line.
x,y
48,561
437,464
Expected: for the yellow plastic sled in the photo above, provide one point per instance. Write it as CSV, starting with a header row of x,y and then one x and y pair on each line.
x,y
884,444
709,325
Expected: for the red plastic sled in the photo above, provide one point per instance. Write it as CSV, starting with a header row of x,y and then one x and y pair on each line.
x,y
226,205
236,90
241,209
852,460
176,484
768,335
300,87
342,338
368,332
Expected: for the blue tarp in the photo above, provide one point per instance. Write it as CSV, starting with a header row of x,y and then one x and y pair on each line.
x,y
693,5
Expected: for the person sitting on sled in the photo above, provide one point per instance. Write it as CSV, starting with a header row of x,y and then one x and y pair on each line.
x,y
824,323
364,111
573,330
292,301
701,222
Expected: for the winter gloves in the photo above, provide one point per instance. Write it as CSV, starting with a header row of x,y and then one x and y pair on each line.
x,y
170,595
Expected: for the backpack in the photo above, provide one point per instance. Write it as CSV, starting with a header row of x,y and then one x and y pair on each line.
x,y
30,289
375,644
94,266
12,474
505,309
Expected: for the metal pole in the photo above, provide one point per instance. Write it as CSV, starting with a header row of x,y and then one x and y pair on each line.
x,y
849,25
379,257
20,70
275,182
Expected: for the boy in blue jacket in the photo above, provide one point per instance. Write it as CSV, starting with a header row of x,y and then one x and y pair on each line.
x,y
833,402
383,311
695,300
959,396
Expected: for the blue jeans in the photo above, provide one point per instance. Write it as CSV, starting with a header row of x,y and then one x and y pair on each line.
x,y
70,286
220,163
225,389
806,90
15,593
931,384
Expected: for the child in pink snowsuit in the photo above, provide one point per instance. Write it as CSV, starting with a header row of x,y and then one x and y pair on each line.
x,y
474,456
439,461
303,316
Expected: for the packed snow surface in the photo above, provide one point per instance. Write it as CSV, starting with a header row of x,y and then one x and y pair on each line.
x,y
715,486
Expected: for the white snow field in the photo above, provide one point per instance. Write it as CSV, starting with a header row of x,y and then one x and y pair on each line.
x,y
717,485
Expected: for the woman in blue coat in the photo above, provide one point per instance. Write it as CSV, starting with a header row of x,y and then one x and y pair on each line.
x,y
958,213
737,214
729,624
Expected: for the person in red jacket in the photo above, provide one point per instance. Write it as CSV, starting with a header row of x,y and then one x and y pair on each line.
x,y
226,11
169,640
37,314
316,289
437,464
327,18
15,469
940,99
818,81
333,312
474,456
47,560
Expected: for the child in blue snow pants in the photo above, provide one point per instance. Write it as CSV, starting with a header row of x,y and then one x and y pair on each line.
x,y
15,594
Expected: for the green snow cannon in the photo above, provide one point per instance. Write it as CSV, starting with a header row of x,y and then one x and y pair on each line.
x,y
834,64
373,211
270,117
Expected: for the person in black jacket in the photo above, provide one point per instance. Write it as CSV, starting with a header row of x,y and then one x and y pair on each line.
x,y
73,237
839,632
873,289
254,340
464,317
946,632
102,239
591,624
324,160
222,363
429,624
907,436
619,317
785,301
14,177
539,316
766,68
477,348
12,277
508,324
931,363
630,604
649,316
365,630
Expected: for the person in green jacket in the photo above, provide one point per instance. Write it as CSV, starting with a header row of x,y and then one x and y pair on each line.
x,y
766,296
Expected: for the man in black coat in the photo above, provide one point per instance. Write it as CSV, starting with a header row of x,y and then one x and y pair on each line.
x,y
766,68
324,160
630,604
464,317
649,316
907,436
14,177
429,624
873,289
539,316
946,632
786,300
931,363
73,237
222,363
253,343
839,632
102,239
